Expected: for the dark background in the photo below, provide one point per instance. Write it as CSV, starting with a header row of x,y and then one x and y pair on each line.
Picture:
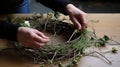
x,y
89,6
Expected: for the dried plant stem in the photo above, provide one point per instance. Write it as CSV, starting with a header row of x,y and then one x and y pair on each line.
x,y
65,55
53,59
71,36
45,25
94,33
52,39
115,42
101,55
54,56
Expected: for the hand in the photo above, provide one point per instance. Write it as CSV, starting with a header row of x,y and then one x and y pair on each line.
x,y
31,38
78,17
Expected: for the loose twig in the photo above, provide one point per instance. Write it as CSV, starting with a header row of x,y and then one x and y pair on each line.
x,y
101,55
71,36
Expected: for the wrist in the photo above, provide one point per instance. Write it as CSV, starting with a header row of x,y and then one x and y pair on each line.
x,y
20,29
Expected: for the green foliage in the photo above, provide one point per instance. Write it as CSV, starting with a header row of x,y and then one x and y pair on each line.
x,y
106,38
75,62
49,15
42,65
114,50
50,62
62,49
102,41
82,43
60,64
56,14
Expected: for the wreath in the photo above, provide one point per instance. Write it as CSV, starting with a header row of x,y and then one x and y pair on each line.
x,y
73,46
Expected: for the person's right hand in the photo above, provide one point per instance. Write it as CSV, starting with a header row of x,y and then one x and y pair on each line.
x,y
31,38
77,16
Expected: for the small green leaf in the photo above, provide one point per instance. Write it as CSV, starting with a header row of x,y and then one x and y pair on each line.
x,y
49,14
69,65
75,62
97,44
106,38
41,65
50,61
114,50
57,14
60,64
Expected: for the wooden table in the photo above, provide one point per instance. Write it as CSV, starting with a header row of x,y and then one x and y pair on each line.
x,y
104,24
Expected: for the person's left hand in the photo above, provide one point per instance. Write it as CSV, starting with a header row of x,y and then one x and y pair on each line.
x,y
77,16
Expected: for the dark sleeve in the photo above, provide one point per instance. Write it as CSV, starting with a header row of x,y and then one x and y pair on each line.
x,y
8,31
56,5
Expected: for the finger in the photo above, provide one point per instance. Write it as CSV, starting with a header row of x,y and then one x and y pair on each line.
x,y
83,19
30,44
37,44
40,39
41,34
76,23
33,44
